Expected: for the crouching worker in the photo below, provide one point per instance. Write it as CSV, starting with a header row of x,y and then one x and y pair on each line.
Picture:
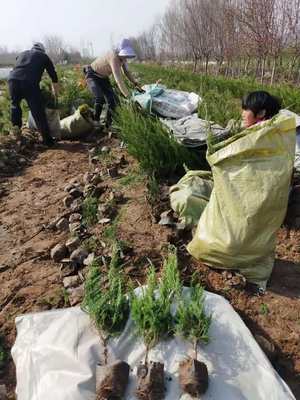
x,y
24,82
97,77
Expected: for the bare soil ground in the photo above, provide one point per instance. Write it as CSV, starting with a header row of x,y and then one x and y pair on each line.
x,y
30,281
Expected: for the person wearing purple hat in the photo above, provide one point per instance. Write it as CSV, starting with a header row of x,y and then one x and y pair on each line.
x,y
97,77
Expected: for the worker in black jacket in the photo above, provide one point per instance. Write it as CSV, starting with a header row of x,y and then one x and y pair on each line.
x,y
24,82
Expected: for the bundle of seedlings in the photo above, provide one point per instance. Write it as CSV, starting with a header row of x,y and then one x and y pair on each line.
x,y
108,306
151,313
192,323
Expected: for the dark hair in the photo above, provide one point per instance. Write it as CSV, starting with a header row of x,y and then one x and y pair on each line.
x,y
259,101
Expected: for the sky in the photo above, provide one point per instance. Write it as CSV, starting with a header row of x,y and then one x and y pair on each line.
x,y
79,22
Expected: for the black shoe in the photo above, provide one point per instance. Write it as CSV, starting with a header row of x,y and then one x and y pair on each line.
x,y
49,142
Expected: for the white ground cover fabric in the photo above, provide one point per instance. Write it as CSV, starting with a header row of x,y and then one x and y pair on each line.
x,y
56,355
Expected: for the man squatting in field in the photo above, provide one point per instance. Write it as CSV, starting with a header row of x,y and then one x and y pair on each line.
x,y
97,78
23,83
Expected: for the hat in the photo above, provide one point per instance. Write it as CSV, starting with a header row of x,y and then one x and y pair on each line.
x,y
39,46
125,49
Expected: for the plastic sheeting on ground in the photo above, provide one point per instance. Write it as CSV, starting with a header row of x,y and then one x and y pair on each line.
x,y
252,174
56,355
190,195
166,102
75,126
192,131
53,120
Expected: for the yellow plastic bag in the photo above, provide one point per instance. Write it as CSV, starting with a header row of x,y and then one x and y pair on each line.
x,y
190,196
252,173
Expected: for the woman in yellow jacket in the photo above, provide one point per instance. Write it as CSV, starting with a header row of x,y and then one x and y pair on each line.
x,y
97,76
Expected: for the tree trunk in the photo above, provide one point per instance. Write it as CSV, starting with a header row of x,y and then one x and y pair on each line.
x,y
273,70
263,68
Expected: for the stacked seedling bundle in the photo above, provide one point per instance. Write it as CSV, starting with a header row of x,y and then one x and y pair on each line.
x,y
108,306
153,319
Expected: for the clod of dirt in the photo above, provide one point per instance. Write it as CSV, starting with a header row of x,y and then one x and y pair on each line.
x,y
75,193
113,380
75,295
113,172
87,177
71,281
96,179
76,217
62,224
105,149
75,228
89,259
193,377
68,200
78,256
166,218
151,385
59,252
72,244
76,205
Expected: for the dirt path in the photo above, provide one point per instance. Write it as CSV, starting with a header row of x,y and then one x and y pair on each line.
x,y
29,280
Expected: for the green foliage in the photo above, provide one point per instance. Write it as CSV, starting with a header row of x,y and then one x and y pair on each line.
x,y
72,93
192,323
110,232
91,244
106,302
151,311
89,210
133,178
264,309
150,143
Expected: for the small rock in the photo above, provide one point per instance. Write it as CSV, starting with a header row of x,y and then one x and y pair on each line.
x,y
75,193
76,295
92,190
105,149
62,224
76,205
68,200
67,268
72,244
71,281
69,187
104,221
75,227
59,252
94,160
22,161
96,179
166,218
74,181
76,217
78,256
90,258
116,196
87,177
113,172
93,151
103,210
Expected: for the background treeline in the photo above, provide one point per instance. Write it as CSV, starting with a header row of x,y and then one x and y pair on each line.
x,y
254,38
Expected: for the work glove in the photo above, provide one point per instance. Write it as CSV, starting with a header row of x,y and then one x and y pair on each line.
x,y
139,88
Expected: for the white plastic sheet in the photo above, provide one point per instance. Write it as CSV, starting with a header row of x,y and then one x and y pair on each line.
x,y
56,354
